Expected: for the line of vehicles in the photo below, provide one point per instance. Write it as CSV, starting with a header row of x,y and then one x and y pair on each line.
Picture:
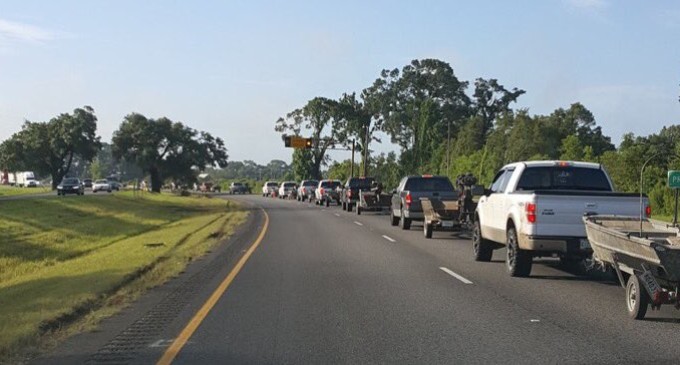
x,y
533,209
73,185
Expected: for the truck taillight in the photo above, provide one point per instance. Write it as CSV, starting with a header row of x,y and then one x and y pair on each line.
x,y
648,211
349,193
531,212
321,191
304,190
408,200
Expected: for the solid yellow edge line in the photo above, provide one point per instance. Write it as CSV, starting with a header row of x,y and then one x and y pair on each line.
x,y
177,345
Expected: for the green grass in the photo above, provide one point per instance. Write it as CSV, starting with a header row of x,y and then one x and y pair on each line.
x,y
6,190
67,262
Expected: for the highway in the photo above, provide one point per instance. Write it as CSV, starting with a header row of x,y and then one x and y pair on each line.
x,y
326,286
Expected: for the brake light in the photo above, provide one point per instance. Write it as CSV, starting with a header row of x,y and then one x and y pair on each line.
x,y
531,212
648,211
349,193
304,190
321,191
408,200
563,164
427,175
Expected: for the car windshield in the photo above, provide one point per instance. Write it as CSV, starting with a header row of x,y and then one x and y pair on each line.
x,y
70,181
563,178
101,182
330,184
429,184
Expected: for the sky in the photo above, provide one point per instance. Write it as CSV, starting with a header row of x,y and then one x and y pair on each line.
x,y
233,67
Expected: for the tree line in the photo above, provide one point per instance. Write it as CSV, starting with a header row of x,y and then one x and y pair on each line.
x,y
68,145
444,125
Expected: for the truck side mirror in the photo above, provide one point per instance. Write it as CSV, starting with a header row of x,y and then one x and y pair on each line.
x,y
394,191
478,190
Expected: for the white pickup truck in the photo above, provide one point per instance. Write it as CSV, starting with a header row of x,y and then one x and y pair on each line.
x,y
536,209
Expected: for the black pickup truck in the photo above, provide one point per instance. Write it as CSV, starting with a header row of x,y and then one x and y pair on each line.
x,y
350,192
406,198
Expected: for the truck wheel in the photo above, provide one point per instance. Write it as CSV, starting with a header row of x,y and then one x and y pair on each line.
x,y
328,202
637,298
393,220
405,222
517,260
358,210
427,230
344,206
481,248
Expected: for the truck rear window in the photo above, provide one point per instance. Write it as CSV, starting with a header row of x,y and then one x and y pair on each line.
x,y
310,183
330,184
428,184
361,183
563,178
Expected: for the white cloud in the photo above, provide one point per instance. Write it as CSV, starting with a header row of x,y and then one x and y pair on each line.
x,y
589,5
19,32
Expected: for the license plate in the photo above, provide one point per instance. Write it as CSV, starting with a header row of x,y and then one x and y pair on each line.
x,y
649,281
584,244
447,224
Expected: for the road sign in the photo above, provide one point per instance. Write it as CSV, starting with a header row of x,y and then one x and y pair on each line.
x,y
674,179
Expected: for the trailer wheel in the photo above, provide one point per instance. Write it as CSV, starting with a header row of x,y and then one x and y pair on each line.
x,y
481,248
405,222
427,230
328,202
344,206
637,298
393,220
517,260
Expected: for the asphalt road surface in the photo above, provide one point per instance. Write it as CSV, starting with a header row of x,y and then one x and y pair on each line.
x,y
327,286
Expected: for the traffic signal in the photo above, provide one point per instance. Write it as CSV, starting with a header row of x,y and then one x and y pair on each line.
x,y
297,142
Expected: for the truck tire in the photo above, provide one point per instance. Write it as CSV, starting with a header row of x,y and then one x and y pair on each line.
x,y
481,248
344,206
427,230
405,222
393,219
517,260
637,298
328,202
358,210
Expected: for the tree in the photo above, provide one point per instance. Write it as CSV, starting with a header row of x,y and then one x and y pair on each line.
x,y
320,118
417,105
166,149
50,148
303,166
491,99
571,148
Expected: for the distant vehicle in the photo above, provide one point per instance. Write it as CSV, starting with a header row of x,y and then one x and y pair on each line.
x,y
70,185
406,206
216,188
536,209
306,190
206,187
287,188
327,191
100,185
238,188
87,183
270,188
115,184
22,179
350,191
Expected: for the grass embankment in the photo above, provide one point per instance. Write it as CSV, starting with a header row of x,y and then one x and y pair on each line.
x,y
67,262
6,190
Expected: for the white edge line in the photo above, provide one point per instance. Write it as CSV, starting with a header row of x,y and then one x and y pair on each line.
x,y
462,279
358,223
389,238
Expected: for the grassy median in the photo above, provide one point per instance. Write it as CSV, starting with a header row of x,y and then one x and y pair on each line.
x,y
6,190
65,262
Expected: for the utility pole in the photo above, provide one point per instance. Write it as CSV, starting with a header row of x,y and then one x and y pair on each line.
x,y
365,173
448,147
351,173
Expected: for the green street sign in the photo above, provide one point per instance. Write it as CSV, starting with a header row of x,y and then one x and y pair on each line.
x,y
674,179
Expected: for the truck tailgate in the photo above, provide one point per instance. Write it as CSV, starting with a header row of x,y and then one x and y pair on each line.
x,y
416,206
562,215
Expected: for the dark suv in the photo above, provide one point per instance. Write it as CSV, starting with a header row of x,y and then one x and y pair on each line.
x,y
70,185
350,192
406,205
